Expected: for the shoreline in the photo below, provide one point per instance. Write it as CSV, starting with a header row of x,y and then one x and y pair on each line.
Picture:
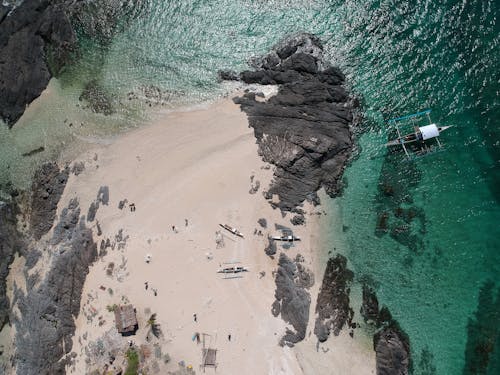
x,y
152,237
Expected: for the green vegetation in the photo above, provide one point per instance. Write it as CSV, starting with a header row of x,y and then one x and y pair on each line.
x,y
112,308
133,362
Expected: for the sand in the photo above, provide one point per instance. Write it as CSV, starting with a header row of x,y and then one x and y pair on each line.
x,y
195,165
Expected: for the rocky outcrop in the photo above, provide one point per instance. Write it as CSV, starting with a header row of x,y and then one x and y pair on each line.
x,y
392,351
292,298
369,308
11,241
36,40
46,324
332,306
390,342
46,190
304,130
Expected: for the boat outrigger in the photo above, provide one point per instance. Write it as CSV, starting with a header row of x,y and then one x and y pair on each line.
x,y
419,136
236,269
234,231
290,238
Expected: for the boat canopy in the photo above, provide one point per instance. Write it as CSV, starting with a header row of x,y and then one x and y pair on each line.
x,y
429,131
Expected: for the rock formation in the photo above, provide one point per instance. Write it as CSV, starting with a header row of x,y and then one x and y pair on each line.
x,y
36,40
390,342
46,324
46,190
11,241
332,306
392,351
304,130
292,299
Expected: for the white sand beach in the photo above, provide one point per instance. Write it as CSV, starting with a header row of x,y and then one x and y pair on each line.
x,y
195,166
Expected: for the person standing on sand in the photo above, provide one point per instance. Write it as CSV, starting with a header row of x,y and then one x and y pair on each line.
x,y
146,285
195,317
186,220
229,337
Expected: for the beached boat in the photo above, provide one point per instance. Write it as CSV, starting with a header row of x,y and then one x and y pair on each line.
x,y
419,136
234,231
286,238
236,269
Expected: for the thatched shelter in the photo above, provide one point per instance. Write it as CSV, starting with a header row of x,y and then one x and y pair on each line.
x,y
126,320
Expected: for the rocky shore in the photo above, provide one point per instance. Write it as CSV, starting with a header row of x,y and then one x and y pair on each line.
x,y
46,299
36,41
305,129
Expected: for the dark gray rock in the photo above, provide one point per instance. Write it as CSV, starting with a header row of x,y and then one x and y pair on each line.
x,y
304,130
103,195
390,342
78,168
46,323
11,241
46,190
121,204
392,351
36,41
369,308
332,305
69,218
262,222
271,247
298,220
94,206
292,300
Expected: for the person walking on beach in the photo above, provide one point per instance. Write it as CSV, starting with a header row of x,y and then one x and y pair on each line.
x,y
146,285
229,337
186,220
195,317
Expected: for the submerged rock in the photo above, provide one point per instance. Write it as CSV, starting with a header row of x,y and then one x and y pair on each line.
x,y
97,98
304,130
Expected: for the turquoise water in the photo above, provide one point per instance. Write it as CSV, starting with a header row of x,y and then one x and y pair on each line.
x,y
399,57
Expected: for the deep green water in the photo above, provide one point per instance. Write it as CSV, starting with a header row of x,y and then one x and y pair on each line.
x,y
432,269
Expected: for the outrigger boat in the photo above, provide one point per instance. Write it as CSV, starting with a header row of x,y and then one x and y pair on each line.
x,y
286,238
234,231
236,269
420,134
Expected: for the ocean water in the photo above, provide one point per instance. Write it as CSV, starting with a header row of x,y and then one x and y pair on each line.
x,y
434,260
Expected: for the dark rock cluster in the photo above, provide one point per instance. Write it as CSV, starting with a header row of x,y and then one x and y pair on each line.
x,y
11,241
292,298
36,40
304,130
46,324
332,306
390,342
46,190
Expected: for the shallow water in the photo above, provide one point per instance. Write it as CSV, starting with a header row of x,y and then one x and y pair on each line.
x,y
399,57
